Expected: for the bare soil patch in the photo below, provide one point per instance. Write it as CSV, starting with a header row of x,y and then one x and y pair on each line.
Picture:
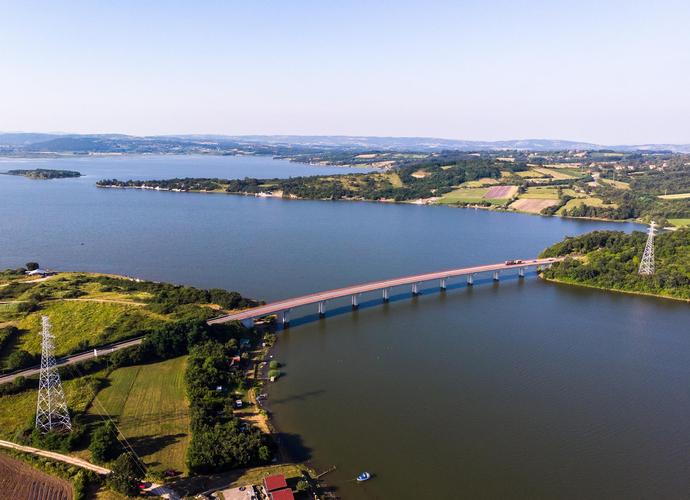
x,y
19,481
532,205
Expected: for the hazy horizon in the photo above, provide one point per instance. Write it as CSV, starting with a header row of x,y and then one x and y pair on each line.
x,y
599,72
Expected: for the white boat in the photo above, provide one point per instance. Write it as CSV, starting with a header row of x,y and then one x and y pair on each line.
x,y
364,476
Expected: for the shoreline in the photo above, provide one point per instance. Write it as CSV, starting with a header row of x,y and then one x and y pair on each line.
x,y
614,290
417,202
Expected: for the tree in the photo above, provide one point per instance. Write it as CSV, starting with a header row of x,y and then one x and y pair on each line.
x,y
104,444
126,475
19,359
32,266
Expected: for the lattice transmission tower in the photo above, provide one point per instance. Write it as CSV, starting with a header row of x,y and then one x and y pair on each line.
x,y
51,408
647,264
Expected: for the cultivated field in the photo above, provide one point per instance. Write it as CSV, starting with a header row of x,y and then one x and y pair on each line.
x,y
532,205
558,174
148,404
19,481
679,196
500,192
540,193
496,195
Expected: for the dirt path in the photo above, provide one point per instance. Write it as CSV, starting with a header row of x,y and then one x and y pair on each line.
x,y
56,456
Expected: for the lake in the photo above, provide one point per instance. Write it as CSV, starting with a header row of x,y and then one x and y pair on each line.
x,y
520,389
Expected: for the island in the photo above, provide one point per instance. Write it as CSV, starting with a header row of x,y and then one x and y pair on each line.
x,y
44,173
610,260
597,185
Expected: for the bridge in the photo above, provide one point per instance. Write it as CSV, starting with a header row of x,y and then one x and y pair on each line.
x,y
283,307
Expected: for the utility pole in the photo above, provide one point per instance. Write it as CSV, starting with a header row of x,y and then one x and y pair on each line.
x,y
51,407
647,264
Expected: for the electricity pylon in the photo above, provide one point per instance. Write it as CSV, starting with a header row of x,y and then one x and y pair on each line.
x,y
647,264
51,408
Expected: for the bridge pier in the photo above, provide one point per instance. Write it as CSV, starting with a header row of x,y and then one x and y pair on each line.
x,y
442,284
496,275
521,272
285,318
322,309
470,279
415,289
355,302
386,294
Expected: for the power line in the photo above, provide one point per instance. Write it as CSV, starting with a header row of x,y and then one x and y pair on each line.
x,y
647,265
51,406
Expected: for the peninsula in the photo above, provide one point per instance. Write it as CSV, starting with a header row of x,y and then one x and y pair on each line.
x,y
610,260
589,184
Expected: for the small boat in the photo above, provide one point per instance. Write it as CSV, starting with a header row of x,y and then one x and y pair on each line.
x,y
364,476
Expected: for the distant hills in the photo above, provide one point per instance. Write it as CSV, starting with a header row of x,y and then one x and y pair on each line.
x,y
104,143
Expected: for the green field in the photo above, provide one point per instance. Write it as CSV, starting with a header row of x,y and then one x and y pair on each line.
x,y
18,411
80,324
616,184
540,193
680,222
149,405
464,195
588,201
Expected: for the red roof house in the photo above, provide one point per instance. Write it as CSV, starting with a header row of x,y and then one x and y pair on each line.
x,y
284,494
274,482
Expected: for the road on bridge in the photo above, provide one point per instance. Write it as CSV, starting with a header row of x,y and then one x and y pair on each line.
x,y
314,298
284,305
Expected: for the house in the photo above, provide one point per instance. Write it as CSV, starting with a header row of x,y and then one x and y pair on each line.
x,y
274,482
39,272
284,494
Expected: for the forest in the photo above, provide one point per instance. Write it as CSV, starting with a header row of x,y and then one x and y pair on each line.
x,y
610,259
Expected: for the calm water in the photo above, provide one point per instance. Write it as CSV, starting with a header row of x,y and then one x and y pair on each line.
x,y
516,390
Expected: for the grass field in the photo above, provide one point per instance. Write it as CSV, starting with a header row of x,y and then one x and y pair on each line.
x,y
530,174
540,193
17,411
588,201
680,222
464,195
616,184
558,174
485,181
81,323
149,405
679,196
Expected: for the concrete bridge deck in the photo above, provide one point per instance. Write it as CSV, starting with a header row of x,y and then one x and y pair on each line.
x,y
283,307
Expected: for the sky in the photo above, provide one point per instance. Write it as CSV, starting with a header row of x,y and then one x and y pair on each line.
x,y
605,71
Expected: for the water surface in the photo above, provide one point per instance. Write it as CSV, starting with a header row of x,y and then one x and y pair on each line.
x,y
517,390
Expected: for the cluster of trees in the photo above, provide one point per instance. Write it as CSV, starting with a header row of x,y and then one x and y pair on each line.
x,y
219,440
177,184
165,298
610,259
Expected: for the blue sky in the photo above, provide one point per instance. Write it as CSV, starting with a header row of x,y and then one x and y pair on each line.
x,y
605,71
